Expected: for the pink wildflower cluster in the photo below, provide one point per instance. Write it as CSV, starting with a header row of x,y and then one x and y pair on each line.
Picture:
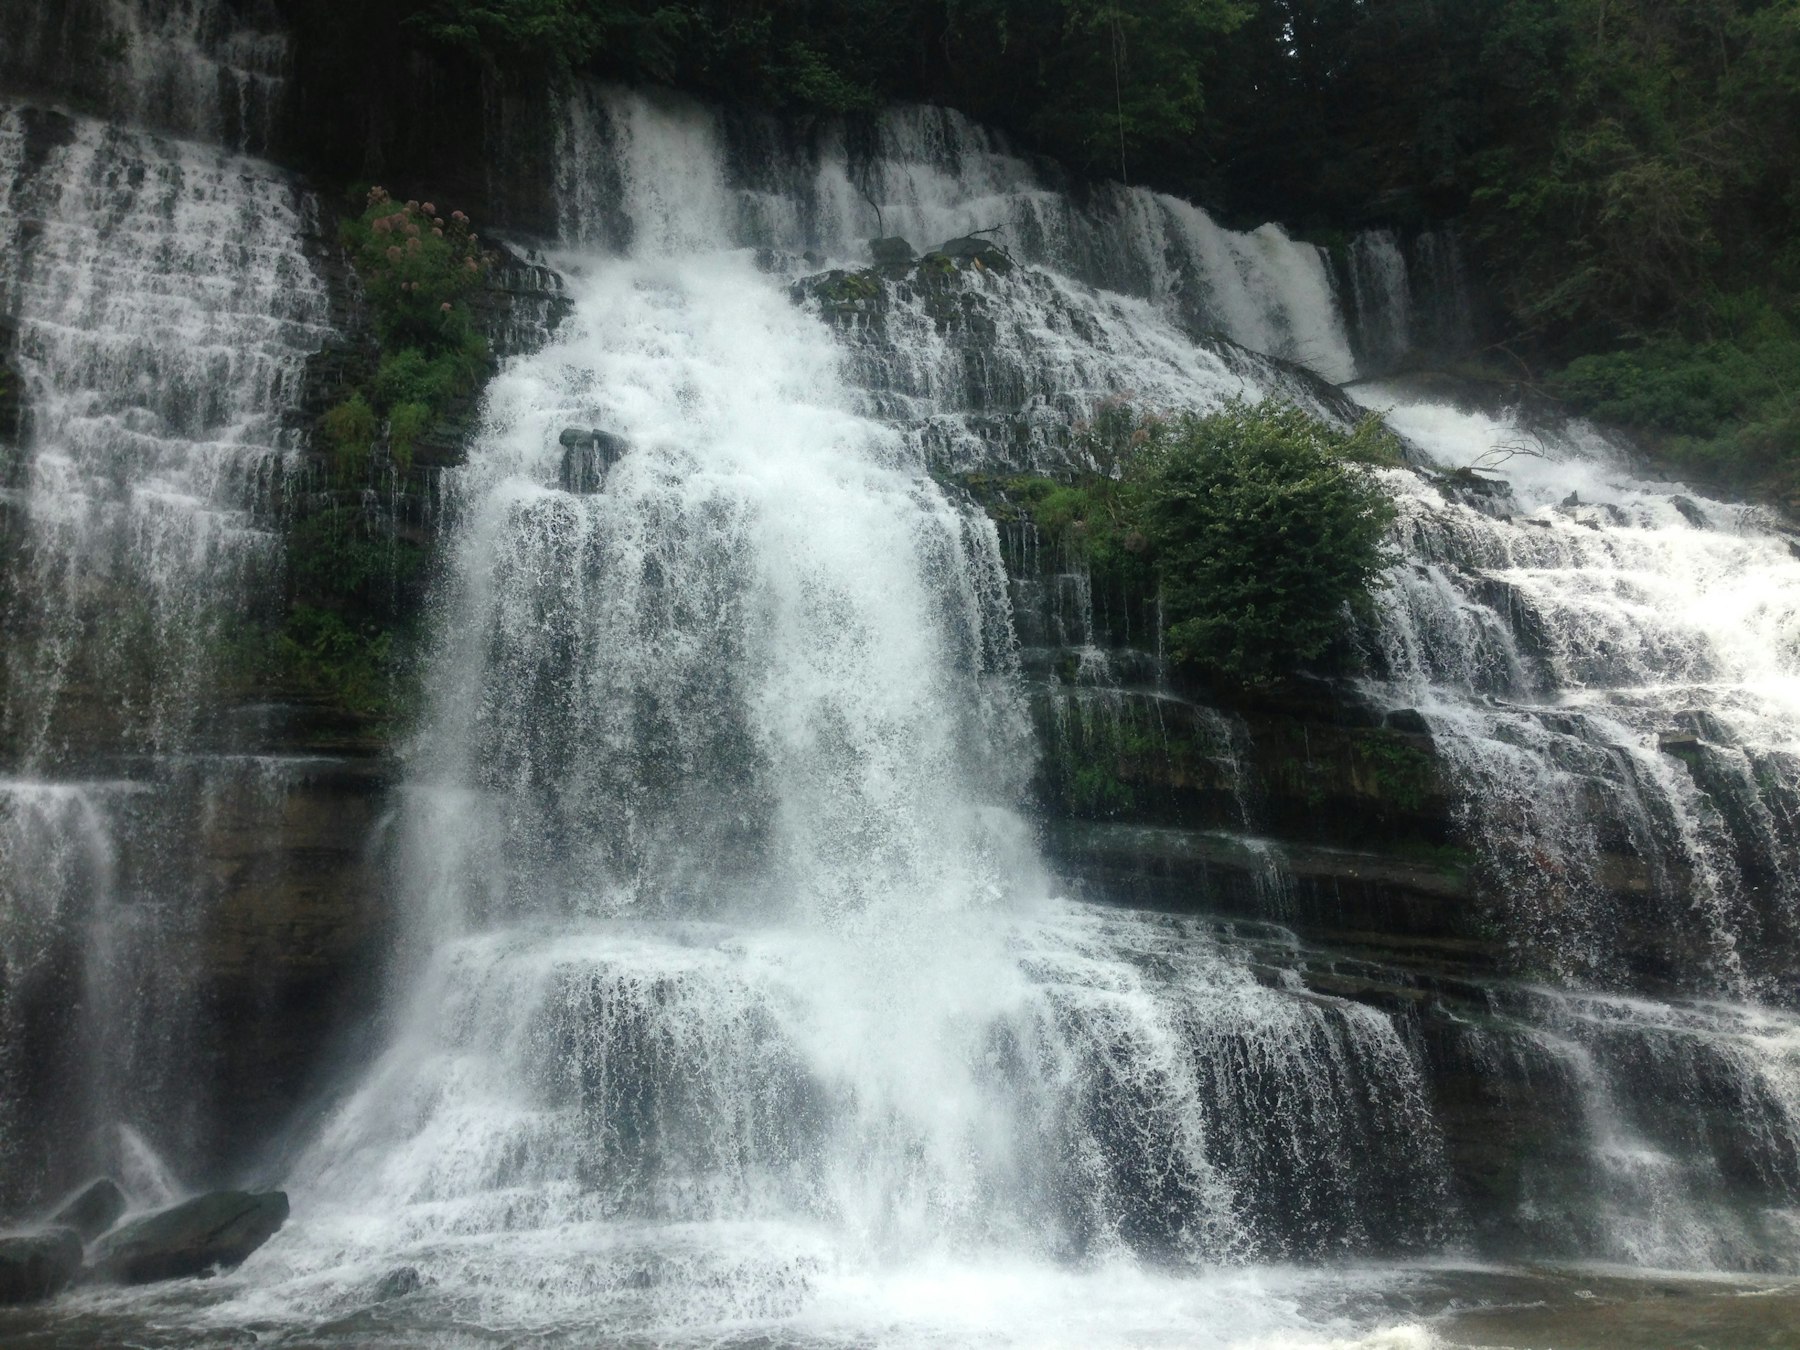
x,y
397,262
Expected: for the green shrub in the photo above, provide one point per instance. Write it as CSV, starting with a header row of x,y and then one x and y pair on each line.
x,y
418,270
348,629
350,430
338,560
1256,527
1727,408
323,656
1264,533
406,424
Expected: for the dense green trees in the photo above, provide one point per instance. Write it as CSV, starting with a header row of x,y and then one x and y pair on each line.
x,y
1638,219
1083,78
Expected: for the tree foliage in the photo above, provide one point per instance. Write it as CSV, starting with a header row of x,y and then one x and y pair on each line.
x,y
1266,532
1085,78
1260,528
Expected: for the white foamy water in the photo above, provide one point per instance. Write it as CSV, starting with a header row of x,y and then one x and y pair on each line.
x,y
1605,658
689,173
164,314
739,1002
1610,665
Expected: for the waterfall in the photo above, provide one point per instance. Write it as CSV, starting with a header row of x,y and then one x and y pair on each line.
x,y
1380,296
1606,663
931,175
1606,660
164,310
186,67
737,993
159,309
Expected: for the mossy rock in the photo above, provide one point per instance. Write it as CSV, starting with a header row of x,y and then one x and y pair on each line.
x,y
936,268
893,255
839,287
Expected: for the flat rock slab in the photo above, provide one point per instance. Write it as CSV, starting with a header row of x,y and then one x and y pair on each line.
x,y
36,1265
210,1232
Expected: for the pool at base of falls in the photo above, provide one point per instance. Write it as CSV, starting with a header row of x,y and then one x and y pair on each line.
x,y
1443,1306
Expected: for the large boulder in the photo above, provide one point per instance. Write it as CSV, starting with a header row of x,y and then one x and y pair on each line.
x,y
588,456
970,251
210,1232
93,1209
893,255
36,1265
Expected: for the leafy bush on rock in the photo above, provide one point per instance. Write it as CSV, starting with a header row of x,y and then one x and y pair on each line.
x,y
1266,528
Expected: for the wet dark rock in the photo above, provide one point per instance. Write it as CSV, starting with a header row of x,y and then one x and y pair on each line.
x,y
1490,496
892,253
35,1266
93,1210
588,455
210,1232
12,391
1407,719
973,251
1681,744
838,289
1690,512
611,446
1703,724
398,1283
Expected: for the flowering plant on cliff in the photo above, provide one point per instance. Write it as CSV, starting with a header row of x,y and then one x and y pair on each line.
x,y
419,269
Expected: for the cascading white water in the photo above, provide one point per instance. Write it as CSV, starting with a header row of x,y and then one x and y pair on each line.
x,y
1609,666
734,1006
1592,651
159,312
931,175
1380,292
164,311
197,68
55,853
736,997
